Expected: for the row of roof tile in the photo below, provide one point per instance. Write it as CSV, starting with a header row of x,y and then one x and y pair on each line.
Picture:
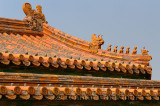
x,y
27,60
77,93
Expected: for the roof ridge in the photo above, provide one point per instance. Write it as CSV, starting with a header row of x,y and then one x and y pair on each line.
x,y
66,34
3,18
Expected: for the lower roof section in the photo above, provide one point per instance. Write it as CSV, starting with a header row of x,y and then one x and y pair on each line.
x,y
8,79
20,86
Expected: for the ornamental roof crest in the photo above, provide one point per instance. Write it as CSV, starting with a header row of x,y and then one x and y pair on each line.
x,y
33,17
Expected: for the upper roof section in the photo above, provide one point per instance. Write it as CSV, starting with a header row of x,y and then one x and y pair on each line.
x,y
33,36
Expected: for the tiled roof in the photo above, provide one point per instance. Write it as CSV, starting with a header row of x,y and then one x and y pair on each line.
x,y
56,48
31,43
55,43
64,87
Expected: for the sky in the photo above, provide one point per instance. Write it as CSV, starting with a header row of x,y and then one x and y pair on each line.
x,y
122,22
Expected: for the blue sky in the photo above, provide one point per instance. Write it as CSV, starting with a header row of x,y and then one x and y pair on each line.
x,y
122,22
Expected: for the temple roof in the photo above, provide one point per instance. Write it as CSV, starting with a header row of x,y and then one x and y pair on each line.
x,y
32,40
76,69
55,48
